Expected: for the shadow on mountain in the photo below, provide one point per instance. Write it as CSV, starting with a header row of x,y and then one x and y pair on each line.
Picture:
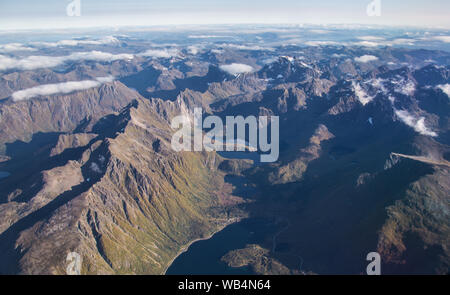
x,y
27,162
195,83
241,186
142,80
10,255
29,159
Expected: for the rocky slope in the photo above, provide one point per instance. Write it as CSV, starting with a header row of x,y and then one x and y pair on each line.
x,y
127,204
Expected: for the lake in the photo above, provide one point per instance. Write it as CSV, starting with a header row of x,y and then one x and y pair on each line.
x,y
242,155
203,257
4,174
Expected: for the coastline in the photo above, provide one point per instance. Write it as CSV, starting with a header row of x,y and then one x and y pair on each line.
x,y
186,247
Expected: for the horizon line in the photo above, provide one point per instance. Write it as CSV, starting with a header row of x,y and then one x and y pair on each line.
x,y
267,24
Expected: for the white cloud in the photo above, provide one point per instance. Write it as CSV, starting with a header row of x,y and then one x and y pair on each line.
x,y
370,38
13,47
37,62
98,56
245,47
318,31
270,60
217,51
207,36
368,43
402,41
362,96
194,50
320,43
236,68
75,42
371,41
57,88
418,124
445,39
445,88
107,79
366,58
160,53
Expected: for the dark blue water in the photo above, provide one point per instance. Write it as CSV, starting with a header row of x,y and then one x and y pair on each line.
x,y
4,174
203,257
242,188
242,155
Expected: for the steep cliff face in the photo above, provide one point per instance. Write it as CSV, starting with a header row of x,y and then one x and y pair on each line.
x,y
294,170
133,205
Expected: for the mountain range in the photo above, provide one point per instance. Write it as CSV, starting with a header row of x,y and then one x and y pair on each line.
x,y
363,167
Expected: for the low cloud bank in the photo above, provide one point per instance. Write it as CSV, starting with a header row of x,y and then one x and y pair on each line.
x,y
321,43
58,88
445,39
13,47
37,62
244,47
160,53
75,42
235,68
370,38
17,47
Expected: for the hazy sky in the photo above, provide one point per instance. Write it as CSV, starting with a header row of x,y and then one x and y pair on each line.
x,y
26,14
